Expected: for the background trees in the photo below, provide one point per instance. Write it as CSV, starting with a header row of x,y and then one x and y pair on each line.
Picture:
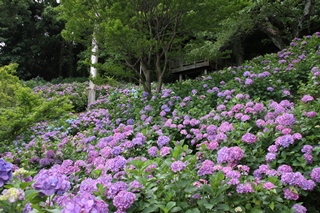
x,y
137,39
30,36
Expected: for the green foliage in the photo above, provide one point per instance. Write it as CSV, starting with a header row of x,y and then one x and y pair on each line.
x,y
8,85
23,108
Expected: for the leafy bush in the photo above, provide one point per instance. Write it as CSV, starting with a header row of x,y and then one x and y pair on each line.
x,y
23,108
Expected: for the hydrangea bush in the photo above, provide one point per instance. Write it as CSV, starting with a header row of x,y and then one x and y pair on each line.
x,y
243,139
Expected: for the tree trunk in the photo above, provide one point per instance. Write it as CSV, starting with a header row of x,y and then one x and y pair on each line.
x,y
147,83
61,57
274,34
237,51
93,72
306,15
71,59
159,85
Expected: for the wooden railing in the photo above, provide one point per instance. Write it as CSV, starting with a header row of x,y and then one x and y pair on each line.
x,y
179,65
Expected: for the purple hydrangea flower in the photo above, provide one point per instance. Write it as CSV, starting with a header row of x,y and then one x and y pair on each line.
x,y
115,188
117,163
207,168
270,157
123,200
153,151
268,185
273,148
245,118
244,188
308,158
248,81
299,208
50,154
163,140
164,151
307,149
315,174
249,138
307,98
211,129
51,182
135,186
290,195
230,155
85,203
285,140
178,166
286,119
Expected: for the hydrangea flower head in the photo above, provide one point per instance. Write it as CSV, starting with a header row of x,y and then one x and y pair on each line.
x,y
5,172
207,168
307,98
178,166
153,151
12,195
51,182
249,138
299,208
123,200
315,174
163,140
244,188
85,203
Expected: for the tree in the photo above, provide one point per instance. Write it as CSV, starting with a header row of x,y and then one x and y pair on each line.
x,y
280,21
30,36
218,40
142,34
284,20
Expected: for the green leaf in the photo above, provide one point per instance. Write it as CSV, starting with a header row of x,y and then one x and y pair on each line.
x,y
170,205
208,205
223,207
24,185
176,209
150,208
194,210
191,189
271,205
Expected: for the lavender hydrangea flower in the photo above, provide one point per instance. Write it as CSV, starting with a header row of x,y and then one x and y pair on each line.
x,y
117,163
135,186
50,182
50,154
115,188
164,151
290,195
245,188
249,138
230,155
270,157
123,200
286,119
85,203
163,140
268,185
153,151
178,166
307,98
299,208
207,168
307,149
285,140
5,172
315,174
